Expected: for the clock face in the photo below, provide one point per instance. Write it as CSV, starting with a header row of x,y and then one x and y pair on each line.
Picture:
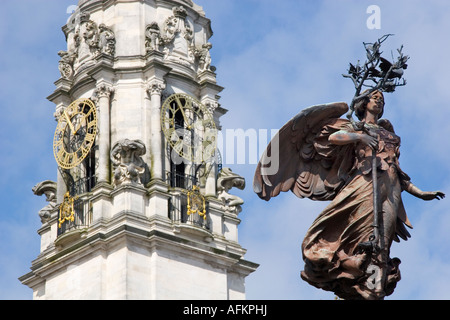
x,y
75,133
189,128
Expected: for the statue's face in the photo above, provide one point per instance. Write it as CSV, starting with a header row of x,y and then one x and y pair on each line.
x,y
376,103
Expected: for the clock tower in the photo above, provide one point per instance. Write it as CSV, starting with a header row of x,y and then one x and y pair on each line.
x,y
141,207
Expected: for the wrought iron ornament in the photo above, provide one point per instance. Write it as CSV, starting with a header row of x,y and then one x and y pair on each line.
x,y
376,74
75,133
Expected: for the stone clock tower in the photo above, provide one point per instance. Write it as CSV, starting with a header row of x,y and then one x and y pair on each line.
x,y
140,208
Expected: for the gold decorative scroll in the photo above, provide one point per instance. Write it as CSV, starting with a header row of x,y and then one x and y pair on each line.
x,y
66,210
196,203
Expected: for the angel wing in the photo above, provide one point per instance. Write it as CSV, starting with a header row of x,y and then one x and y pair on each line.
x,y
306,162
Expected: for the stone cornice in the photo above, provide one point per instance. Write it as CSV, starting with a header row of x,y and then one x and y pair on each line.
x,y
94,242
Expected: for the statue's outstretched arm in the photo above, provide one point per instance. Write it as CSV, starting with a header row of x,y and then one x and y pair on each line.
x,y
424,195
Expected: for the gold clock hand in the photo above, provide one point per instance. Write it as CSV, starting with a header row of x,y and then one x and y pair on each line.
x,y
80,124
68,121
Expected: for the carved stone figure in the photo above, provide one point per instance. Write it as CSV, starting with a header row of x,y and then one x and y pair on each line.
x,y
152,37
226,181
323,157
86,43
66,65
107,41
89,42
204,57
48,188
174,39
126,156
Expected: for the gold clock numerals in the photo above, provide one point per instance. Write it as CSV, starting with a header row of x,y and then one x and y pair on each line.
x,y
75,133
189,128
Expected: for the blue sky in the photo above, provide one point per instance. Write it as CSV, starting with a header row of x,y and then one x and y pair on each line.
x,y
274,58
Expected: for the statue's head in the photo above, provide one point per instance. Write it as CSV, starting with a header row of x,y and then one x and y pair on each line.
x,y
361,105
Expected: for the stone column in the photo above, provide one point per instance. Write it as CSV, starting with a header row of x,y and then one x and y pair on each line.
x,y
154,90
60,181
210,185
104,93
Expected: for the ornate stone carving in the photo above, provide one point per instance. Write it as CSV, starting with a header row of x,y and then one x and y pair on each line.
x,y
104,90
107,43
66,65
58,113
87,45
204,57
227,180
129,167
48,188
212,105
156,87
180,12
174,39
152,37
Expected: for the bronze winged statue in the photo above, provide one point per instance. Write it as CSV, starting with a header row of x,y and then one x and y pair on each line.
x,y
323,157
355,165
